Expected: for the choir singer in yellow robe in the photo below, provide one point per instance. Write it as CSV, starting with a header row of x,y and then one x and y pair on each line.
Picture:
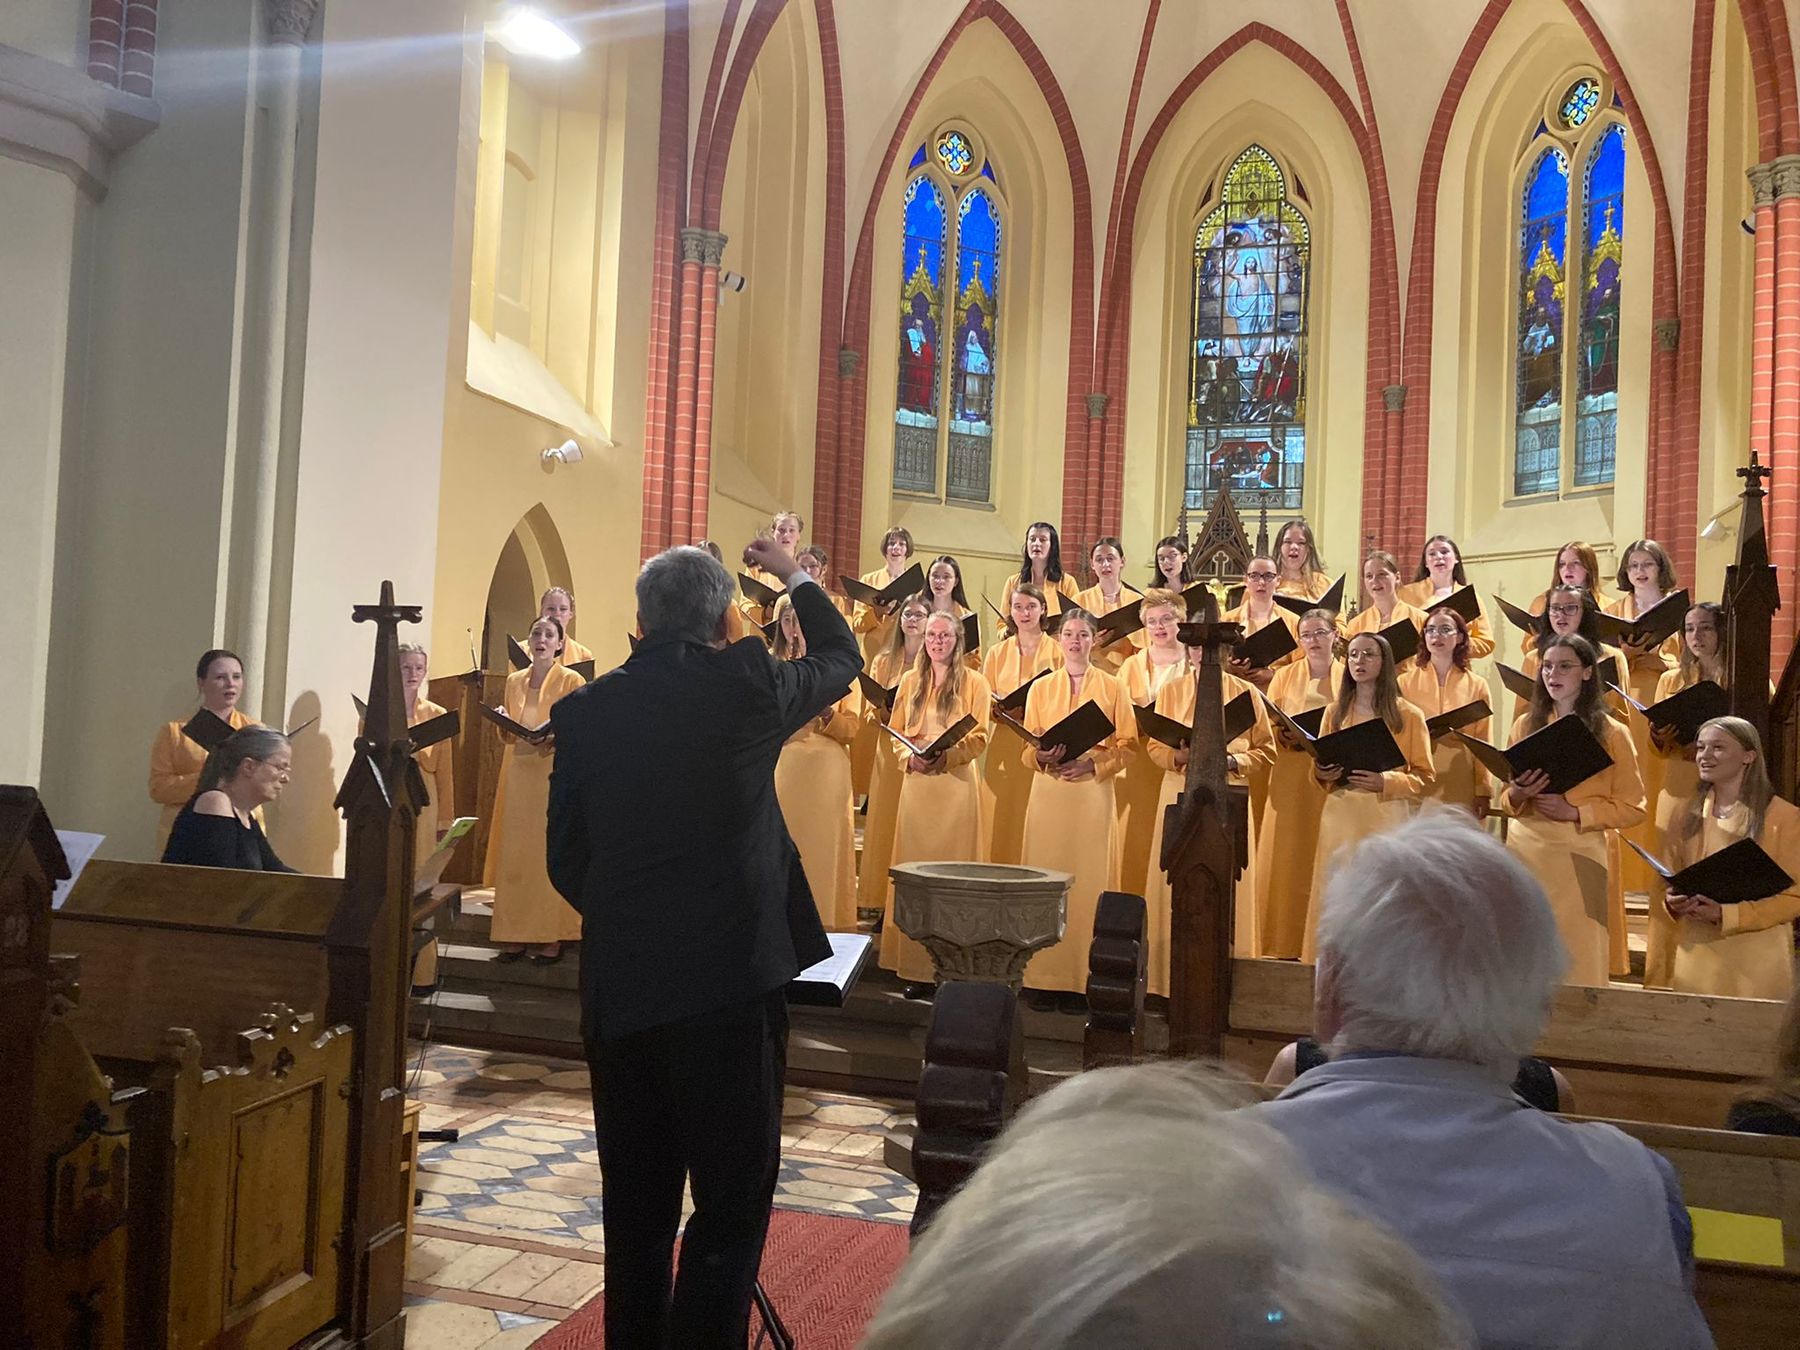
x,y
437,763
1561,837
1742,950
1381,583
1257,745
1439,681
1041,564
1360,803
1138,786
1005,779
527,909
557,603
1071,825
1646,578
905,643
812,783
175,761
1297,559
1256,612
1288,834
940,798
1440,576
1110,592
875,625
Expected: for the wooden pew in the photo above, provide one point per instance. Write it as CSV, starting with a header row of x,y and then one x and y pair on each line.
x,y
1117,973
1633,1054
236,1179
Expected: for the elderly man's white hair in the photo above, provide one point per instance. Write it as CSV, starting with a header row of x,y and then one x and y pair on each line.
x,y
1435,940
1130,1208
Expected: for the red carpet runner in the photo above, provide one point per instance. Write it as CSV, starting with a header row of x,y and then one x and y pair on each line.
x,y
825,1274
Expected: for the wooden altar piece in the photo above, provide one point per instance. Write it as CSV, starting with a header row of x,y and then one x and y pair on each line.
x,y
1201,853
1118,968
1751,597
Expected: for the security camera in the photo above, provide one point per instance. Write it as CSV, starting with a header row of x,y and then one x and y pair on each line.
x,y
566,453
733,282
1749,225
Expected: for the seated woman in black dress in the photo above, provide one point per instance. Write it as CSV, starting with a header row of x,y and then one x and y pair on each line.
x,y
217,828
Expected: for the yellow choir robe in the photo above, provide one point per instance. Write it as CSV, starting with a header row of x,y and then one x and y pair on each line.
x,y
884,791
1255,746
1750,952
1369,620
874,627
1312,587
1460,779
752,615
1073,827
1641,677
1618,948
1110,657
1351,815
1422,595
1057,594
438,765
573,653
175,765
1138,786
812,783
1005,781
1259,778
939,816
1288,834
1569,858
527,908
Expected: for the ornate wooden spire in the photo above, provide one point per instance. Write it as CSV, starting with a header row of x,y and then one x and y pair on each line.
x,y
1752,595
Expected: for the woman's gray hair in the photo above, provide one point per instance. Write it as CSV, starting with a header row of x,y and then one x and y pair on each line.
x,y
1130,1208
257,743
1435,940
683,592
413,649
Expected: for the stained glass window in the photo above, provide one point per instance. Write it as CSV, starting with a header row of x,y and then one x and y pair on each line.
x,y
1543,246
977,303
1246,426
1603,247
951,274
925,234
1569,268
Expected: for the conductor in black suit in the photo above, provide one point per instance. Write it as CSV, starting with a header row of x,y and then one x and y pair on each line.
x,y
665,833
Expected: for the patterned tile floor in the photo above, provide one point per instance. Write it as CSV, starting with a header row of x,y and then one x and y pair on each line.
x,y
507,1239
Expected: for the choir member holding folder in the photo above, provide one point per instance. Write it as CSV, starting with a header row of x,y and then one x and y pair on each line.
x,y
1257,612
1395,619
1138,786
874,619
557,603
1439,683
1084,728
1009,667
1249,743
1570,609
812,783
944,592
1288,830
436,761
178,753
1372,782
1646,580
1576,565
1041,565
1297,558
527,910
1440,578
940,796
1560,826
1736,936
756,601
1108,594
879,684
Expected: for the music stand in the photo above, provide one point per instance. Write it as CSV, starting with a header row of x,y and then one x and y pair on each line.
x,y
825,985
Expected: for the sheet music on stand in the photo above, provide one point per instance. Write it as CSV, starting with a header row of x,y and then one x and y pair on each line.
x,y
828,983
79,849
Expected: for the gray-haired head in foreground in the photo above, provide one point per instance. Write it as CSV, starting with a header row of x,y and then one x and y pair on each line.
x,y
683,592
1132,1209
1435,940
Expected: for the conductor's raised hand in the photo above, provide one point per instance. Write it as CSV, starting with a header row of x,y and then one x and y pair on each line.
x,y
772,558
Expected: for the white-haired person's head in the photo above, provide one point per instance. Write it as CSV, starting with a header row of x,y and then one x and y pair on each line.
x,y
1434,940
1132,1208
683,592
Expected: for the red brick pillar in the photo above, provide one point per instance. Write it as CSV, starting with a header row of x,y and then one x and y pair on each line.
x,y
687,366
712,257
106,40
137,65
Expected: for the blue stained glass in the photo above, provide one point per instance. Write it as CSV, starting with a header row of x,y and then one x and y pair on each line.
x,y
922,299
977,308
1603,253
1543,247
955,153
1579,102
918,156
987,171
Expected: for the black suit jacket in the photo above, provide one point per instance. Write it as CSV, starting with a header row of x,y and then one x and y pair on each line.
x,y
664,831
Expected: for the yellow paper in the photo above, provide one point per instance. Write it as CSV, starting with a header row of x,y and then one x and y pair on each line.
x,y
1749,1239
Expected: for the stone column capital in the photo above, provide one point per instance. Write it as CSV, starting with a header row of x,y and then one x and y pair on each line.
x,y
1393,397
289,19
1784,170
1762,183
848,360
1096,406
693,243
1668,334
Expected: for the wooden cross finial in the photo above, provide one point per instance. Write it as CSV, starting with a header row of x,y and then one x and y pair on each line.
x,y
1753,474
386,613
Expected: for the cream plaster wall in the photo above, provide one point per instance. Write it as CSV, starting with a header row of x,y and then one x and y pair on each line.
x,y
42,263
1308,137
56,29
984,82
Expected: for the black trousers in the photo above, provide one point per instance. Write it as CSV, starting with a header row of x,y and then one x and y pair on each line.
x,y
698,1101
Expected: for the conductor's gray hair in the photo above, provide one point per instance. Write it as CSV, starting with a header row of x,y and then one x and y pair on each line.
x,y
1435,940
1131,1208
683,592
